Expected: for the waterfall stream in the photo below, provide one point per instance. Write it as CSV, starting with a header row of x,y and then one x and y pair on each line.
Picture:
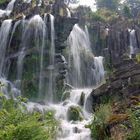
x,y
4,36
85,72
133,42
8,9
84,67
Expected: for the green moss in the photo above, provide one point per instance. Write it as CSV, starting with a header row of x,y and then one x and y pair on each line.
x,y
74,113
66,95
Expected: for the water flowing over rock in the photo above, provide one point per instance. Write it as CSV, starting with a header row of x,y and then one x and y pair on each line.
x,y
36,58
133,42
8,10
4,35
84,67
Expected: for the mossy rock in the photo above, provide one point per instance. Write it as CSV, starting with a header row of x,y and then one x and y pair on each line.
x,y
66,95
74,114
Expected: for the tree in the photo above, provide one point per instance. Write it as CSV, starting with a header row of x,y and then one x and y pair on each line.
x,y
109,4
127,11
134,6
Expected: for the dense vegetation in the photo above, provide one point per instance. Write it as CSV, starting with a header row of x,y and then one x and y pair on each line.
x,y
16,123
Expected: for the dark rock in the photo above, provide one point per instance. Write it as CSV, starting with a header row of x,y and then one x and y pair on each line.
x,y
74,114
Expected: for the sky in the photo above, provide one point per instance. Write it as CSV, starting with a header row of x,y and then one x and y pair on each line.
x,y
90,3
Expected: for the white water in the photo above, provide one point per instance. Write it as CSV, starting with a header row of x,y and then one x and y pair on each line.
x,y
133,42
8,89
86,71
52,56
8,10
13,31
99,70
69,130
33,34
4,36
68,13
83,66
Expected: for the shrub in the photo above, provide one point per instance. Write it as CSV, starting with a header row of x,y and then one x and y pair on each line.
x,y
99,123
135,125
104,15
138,58
17,124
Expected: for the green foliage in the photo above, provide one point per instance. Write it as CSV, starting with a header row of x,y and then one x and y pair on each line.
x,y
104,15
135,122
127,11
109,4
138,58
3,1
74,113
134,6
99,122
17,124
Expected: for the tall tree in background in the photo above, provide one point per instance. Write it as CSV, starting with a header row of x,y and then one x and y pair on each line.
x,y
134,6
109,4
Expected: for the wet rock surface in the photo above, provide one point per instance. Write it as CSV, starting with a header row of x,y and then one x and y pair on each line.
x,y
124,82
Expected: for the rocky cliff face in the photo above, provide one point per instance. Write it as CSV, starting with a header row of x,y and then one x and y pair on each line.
x,y
113,41
63,25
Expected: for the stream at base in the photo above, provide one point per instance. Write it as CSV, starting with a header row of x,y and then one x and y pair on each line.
x,y
69,129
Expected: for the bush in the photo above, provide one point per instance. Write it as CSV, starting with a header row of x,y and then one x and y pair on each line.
x,y
138,58
104,15
17,124
3,1
135,126
99,123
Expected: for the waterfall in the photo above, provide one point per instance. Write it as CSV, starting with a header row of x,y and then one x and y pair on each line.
x,y
85,70
51,63
82,63
68,13
13,31
133,42
33,36
6,69
99,70
8,9
4,36
73,130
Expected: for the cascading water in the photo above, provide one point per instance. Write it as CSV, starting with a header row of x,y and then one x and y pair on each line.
x,y
99,70
33,36
6,86
133,42
68,13
76,98
4,36
51,65
85,72
8,10
82,63
13,31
